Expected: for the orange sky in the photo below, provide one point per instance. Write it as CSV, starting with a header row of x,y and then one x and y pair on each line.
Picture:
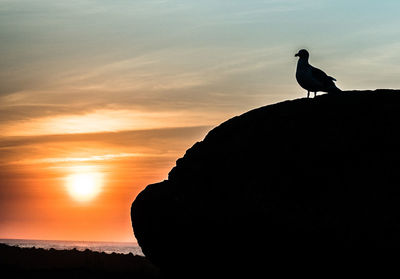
x,y
35,202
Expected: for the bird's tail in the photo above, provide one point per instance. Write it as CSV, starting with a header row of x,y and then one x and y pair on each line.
x,y
334,89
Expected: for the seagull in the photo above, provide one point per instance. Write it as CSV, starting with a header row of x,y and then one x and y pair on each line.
x,y
311,78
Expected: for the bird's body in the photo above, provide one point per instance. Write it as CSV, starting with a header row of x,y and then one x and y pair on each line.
x,y
311,78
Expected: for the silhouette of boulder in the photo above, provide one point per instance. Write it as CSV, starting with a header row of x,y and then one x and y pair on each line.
x,y
291,185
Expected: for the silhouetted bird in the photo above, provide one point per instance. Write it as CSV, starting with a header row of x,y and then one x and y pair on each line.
x,y
311,78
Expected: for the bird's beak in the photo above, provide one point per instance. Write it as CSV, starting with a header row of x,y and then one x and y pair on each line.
x,y
296,55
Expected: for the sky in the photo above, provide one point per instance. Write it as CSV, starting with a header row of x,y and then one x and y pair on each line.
x,y
104,96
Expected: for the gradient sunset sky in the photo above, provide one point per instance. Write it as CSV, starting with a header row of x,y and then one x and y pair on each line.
x,y
116,91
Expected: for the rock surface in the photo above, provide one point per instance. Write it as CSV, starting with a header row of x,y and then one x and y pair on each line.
x,y
287,184
16,262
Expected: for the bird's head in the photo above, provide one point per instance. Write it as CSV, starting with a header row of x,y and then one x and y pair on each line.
x,y
302,54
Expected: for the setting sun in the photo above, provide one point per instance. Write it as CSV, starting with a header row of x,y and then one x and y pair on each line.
x,y
84,185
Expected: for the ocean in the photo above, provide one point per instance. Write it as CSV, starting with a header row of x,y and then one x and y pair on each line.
x,y
106,247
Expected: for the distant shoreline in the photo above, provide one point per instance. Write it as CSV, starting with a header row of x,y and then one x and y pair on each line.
x,y
97,246
66,263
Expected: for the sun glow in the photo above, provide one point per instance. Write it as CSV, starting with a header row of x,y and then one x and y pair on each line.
x,y
84,184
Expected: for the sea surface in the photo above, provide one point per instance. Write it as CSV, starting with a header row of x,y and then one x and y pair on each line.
x,y
106,247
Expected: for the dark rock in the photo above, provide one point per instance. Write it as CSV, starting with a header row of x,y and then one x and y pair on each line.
x,y
18,262
296,184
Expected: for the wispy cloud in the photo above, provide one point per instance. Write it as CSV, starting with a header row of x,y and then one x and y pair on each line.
x,y
106,121
97,147
127,94
94,158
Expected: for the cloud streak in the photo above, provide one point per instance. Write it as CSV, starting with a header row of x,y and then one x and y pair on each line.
x,y
94,158
19,150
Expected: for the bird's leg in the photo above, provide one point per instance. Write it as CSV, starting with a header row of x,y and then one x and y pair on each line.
x,y
308,94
